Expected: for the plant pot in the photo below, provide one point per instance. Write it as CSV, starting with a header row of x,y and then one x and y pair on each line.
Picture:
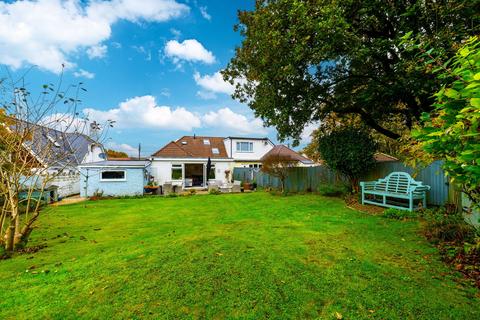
x,y
150,189
247,186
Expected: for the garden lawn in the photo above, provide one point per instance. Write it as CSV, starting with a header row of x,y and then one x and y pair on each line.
x,y
229,256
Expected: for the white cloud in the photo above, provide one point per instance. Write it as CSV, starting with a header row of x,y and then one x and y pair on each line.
x,y
84,74
307,131
116,45
206,95
97,51
204,13
48,33
165,92
123,147
143,112
188,50
213,83
65,122
176,33
233,122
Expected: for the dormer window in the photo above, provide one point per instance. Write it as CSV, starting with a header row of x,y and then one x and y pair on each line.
x,y
244,146
215,151
206,142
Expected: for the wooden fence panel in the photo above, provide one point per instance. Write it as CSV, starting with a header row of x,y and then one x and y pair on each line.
x,y
302,179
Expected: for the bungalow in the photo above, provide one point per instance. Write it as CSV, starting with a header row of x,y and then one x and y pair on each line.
x,y
184,162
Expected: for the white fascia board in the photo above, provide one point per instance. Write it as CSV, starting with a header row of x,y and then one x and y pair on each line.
x,y
192,159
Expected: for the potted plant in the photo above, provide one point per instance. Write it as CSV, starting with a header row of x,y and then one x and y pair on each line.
x,y
151,187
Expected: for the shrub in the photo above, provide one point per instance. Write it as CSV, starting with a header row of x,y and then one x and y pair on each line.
x,y
329,190
192,192
440,226
399,214
171,195
349,151
214,191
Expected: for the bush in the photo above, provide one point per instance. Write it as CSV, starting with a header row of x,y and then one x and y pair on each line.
x,y
329,190
171,195
399,214
442,227
214,191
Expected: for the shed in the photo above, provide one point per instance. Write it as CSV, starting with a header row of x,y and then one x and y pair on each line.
x,y
113,178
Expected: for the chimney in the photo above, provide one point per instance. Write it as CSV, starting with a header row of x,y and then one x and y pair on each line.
x,y
194,136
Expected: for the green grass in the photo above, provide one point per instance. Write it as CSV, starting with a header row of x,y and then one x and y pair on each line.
x,y
247,256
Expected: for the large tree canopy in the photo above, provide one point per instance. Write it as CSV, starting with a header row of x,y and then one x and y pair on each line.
x,y
302,60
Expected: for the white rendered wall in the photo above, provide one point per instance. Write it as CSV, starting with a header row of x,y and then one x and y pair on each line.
x,y
161,170
260,148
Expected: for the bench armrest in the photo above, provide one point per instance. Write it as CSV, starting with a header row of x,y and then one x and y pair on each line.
x,y
368,184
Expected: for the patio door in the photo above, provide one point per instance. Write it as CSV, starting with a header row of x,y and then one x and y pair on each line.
x,y
194,173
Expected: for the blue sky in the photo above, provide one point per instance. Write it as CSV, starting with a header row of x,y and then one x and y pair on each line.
x,y
151,65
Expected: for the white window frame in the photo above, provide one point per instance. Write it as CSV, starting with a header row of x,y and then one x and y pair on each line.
x,y
176,166
215,151
214,172
249,143
113,180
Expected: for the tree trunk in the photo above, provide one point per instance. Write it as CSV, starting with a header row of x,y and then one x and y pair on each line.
x,y
355,184
10,235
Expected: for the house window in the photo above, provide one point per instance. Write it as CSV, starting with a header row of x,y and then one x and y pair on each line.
x,y
176,172
206,142
215,151
211,173
244,146
117,175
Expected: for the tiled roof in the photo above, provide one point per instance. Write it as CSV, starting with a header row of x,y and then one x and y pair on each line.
x,y
382,157
70,147
193,147
284,151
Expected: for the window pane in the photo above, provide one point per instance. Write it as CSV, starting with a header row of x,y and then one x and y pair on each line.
x,y
176,174
113,175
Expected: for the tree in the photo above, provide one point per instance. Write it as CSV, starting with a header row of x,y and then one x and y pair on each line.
x,y
279,165
32,129
116,154
451,132
383,143
349,151
301,60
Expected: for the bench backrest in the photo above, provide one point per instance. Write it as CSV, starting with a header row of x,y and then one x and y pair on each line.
x,y
396,182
